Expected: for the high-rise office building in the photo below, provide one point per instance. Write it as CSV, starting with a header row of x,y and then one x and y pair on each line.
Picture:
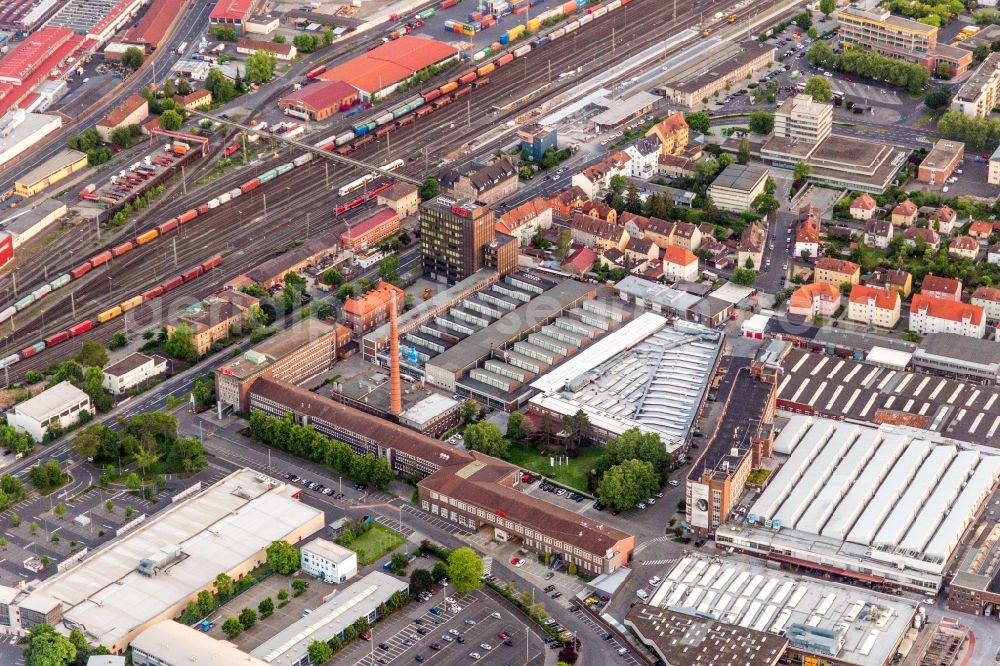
x,y
453,234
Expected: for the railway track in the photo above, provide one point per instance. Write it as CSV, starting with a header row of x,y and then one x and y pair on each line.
x,y
245,236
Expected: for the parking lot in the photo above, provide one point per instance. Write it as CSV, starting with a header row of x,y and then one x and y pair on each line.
x,y
33,529
459,637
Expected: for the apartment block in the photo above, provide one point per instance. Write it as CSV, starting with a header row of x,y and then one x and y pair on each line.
x,y
874,306
836,271
879,30
737,186
980,94
937,315
370,310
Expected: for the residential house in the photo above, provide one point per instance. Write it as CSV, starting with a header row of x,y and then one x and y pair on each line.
x,y
891,278
878,233
672,133
634,224
874,306
807,237
751,246
495,181
863,207
579,262
220,314
525,220
836,271
818,299
914,234
677,166
988,298
964,247
660,232
687,236
131,371
644,157
640,252
565,202
593,179
194,100
592,232
904,214
248,47
132,111
599,210
993,254
679,264
946,288
937,315
981,229
943,220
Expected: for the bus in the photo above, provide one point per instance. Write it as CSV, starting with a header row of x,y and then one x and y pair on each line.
x,y
182,48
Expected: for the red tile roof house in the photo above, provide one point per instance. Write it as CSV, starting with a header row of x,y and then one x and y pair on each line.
x,y
981,229
579,262
965,247
905,213
943,220
941,287
863,207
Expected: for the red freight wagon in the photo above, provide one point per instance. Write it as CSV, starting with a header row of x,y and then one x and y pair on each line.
x,y
100,259
53,340
212,263
152,293
122,249
191,274
6,248
188,216
81,270
82,327
169,225
173,283
202,209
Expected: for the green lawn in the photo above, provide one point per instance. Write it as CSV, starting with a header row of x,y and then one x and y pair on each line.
x,y
574,474
374,543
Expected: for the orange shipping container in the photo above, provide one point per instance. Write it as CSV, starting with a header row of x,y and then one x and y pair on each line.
x,y
448,87
467,78
150,235
486,69
569,8
505,59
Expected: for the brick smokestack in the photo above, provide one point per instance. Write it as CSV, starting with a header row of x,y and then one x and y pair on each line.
x,y
395,390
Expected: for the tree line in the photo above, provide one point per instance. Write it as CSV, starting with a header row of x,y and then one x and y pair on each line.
x,y
870,64
305,442
150,440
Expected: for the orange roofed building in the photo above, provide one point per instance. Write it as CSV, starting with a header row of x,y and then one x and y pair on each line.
x,y
370,310
818,299
382,224
874,305
672,133
937,315
381,70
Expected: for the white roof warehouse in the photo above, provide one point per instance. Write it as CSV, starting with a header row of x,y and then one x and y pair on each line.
x,y
224,529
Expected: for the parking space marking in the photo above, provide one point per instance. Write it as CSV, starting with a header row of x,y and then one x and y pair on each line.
x,y
598,629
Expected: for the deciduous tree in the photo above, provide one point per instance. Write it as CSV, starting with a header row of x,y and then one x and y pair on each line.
x,y
465,570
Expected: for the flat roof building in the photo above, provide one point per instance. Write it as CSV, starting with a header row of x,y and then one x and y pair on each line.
x,y
886,505
27,224
959,356
132,371
728,65
646,375
305,350
941,162
60,165
801,119
679,638
737,186
453,234
223,529
170,643
980,93
58,407
328,561
290,646
843,388
817,621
